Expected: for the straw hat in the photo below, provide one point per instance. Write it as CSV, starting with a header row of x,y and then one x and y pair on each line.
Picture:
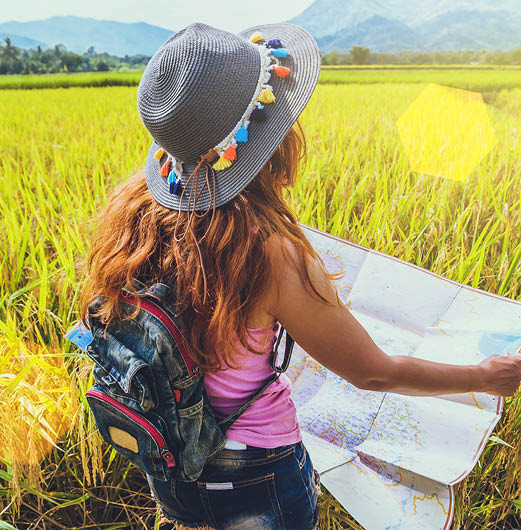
x,y
218,104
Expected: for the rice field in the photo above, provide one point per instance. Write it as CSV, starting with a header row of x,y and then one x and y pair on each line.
x,y
482,78
62,151
464,78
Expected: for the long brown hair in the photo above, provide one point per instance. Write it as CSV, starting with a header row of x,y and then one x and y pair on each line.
x,y
135,239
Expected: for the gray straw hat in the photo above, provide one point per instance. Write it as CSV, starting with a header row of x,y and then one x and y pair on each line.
x,y
218,104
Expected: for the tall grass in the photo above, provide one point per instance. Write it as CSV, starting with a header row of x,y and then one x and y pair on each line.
x,y
464,78
60,154
481,78
87,79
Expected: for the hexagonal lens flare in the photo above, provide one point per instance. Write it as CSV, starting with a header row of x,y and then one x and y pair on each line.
x,y
446,132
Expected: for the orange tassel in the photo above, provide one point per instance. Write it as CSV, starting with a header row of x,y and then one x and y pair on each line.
x,y
230,153
165,169
281,71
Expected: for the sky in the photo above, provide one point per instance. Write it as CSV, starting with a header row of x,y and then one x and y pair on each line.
x,y
231,15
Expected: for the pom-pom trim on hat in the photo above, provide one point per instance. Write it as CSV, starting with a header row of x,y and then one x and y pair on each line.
x,y
225,152
263,95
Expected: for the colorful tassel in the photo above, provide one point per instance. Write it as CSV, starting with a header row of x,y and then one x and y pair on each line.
x,y
174,183
267,96
176,188
242,135
222,163
159,153
274,43
258,114
279,52
230,153
165,169
281,71
172,178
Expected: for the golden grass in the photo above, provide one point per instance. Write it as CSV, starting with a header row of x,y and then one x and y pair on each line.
x,y
61,151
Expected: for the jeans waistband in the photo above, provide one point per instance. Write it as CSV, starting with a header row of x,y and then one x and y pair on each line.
x,y
252,454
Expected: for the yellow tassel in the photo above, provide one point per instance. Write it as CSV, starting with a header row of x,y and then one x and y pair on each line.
x,y
222,163
159,153
256,36
267,96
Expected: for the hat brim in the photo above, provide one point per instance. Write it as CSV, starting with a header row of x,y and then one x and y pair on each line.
x,y
292,94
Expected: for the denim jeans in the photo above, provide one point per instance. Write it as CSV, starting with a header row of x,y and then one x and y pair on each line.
x,y
250,489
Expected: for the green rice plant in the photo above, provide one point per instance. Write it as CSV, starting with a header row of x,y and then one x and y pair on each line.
x,y
480,78
62,151
87,79
467,79
421,67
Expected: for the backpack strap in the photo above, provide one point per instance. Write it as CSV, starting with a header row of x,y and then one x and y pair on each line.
x,y
227,422
160,312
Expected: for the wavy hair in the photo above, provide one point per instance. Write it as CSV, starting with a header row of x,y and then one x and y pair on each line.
x,y
135,239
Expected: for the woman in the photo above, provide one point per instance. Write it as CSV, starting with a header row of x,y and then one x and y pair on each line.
x,y
208,213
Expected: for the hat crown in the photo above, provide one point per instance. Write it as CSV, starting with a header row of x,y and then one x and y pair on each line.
x,y
186,98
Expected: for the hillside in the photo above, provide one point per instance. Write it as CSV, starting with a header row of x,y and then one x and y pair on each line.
x,y
397,25
382,25
78,34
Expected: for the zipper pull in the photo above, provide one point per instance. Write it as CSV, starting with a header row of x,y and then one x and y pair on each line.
x,y
168,457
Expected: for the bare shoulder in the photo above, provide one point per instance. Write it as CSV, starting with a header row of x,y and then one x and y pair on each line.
x,y
297,277
316,318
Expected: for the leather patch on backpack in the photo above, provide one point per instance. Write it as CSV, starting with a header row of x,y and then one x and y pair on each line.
x,y
123,439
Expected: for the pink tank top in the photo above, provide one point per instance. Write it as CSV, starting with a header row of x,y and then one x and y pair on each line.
x,y
269,422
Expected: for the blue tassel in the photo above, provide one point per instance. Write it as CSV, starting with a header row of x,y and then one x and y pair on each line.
x,y
242,134
274,43
175,188
280,52
174,183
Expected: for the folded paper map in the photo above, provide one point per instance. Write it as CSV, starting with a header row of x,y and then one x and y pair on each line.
x,y
391,460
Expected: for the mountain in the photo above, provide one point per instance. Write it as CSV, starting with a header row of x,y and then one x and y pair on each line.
x,y
390,34
78,34
397,25
381,25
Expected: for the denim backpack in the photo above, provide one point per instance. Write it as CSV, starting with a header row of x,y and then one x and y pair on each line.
x,y
148,397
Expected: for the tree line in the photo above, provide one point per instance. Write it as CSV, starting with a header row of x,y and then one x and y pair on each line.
x,y
362,55
14,60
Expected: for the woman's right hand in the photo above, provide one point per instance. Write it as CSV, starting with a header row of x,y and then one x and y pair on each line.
x,y
502,374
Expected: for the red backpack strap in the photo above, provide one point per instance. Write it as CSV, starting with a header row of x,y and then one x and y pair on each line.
x,y
157,311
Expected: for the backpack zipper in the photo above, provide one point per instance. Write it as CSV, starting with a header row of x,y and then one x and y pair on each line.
x,y
170,326
166,454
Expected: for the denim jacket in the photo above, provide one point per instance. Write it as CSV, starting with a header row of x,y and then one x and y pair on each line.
x,y
148,397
